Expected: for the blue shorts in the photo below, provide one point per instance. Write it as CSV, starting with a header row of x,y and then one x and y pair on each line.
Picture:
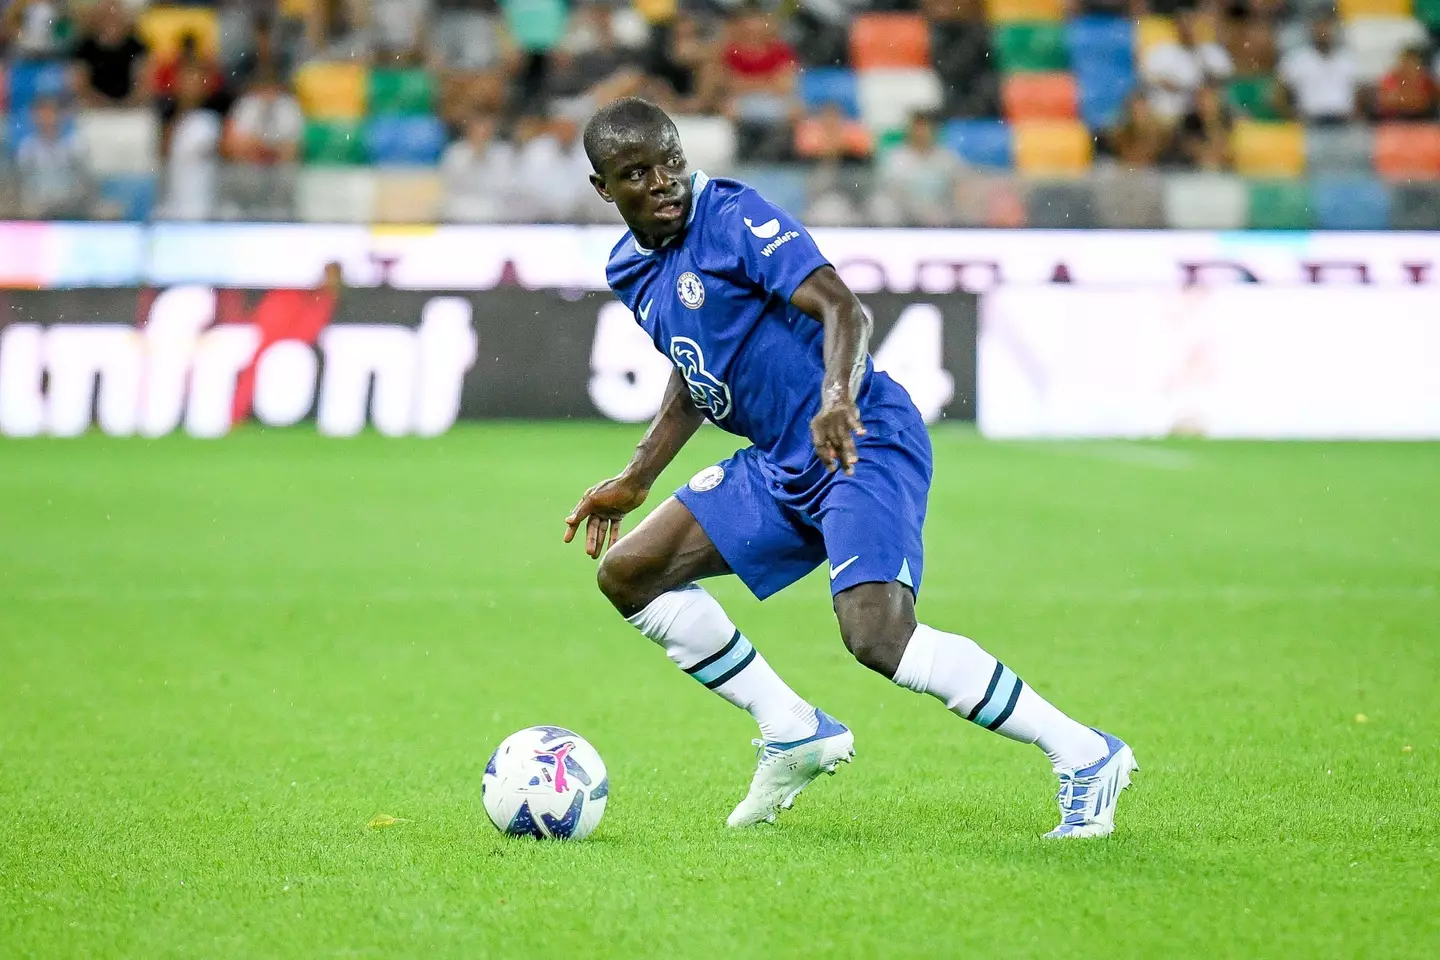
x,y
868,526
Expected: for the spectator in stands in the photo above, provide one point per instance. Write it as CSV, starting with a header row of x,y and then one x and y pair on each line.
x,y
36,28
191,147
110,60
55,181
838,149
1174,71
266,124
1204,137
266,54
588,57
919,178
757,70
831,137
190,62
1321,80
1407,92
1141,140
556,169
400,30
338,30
465,40
479,173
536,27
677,55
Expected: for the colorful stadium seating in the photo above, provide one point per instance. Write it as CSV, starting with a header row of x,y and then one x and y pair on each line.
x,y
889,96
334,142
407,196
1205,201
1031,47
1269,149
335,194
1255,97
1354,9
163,27
824,85
1052,148
332,91
1279,205
709,141
1350,203
1015,11
889,40
1408,151
401,93
1039,96
1347,149
404,141
983,143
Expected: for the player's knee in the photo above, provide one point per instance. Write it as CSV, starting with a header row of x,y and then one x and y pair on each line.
x,y
626,577
876,624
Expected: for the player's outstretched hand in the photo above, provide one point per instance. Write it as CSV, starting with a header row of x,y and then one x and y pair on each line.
x,y
834,430
601,510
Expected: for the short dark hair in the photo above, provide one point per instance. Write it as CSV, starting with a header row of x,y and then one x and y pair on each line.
x,y
628,118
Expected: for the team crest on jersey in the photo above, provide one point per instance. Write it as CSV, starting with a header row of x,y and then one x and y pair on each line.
x,y
707,391
691,290
707,479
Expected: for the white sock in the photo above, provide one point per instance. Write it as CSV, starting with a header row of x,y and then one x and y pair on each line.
x,y
695,632
983,690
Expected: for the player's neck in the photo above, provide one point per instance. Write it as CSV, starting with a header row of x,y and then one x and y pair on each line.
x,y
651,244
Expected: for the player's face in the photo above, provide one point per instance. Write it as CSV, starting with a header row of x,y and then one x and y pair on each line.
x,y
649,182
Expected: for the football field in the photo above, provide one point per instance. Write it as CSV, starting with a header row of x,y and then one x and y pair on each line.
x,y
221,661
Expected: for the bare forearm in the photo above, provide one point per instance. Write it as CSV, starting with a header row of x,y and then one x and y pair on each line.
x,y
671,429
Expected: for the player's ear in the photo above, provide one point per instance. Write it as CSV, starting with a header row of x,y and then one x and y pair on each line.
x,y
598,182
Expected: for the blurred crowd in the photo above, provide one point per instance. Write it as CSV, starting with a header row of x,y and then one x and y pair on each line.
x,y
470,110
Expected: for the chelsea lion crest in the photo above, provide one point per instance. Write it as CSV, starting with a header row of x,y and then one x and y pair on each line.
x,y
691,290
707,479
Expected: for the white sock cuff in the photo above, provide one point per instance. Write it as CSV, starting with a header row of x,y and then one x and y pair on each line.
x,y
689,623
918,660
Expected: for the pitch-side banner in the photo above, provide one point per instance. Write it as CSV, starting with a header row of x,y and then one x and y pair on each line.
x,y
1223,362
265,256
202,359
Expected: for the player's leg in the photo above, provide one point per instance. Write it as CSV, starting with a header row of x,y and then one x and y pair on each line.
x,y
872,524
650,576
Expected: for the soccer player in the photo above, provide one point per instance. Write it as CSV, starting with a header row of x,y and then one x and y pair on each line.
x,y
768,343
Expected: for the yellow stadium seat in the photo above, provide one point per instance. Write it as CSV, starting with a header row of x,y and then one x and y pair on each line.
x,y
1012,11
1351,9
1269,149
162,27
332,91
1154,30
407,196
295,8
1052,148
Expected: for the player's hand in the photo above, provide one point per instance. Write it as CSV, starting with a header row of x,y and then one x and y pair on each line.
x,y
601,510
834,430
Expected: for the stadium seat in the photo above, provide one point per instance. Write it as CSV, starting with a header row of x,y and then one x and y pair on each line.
x,y
1031,47
1279,205
1415,206
29,79
119,141
1428,12
334,142
1053,148
1376,42
1060,205
335,194
132,195
1133,199
1255,97
407,196
162,28
784,186
1354,9
1351,203
889,40
1205,201
404,141
981,143
1408,151
1152,31
401,93
1104,87
1039,96
1347,149
709,142
808,134
820,86
331,91
18,127
1268,149
1101,39
889,97
1015,11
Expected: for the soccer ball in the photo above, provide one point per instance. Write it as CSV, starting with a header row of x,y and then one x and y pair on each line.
x,y
545,782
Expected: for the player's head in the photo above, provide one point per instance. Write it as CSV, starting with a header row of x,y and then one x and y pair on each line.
x,y
640,167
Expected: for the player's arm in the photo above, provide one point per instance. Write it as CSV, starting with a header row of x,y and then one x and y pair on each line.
x,y
824,296
605,505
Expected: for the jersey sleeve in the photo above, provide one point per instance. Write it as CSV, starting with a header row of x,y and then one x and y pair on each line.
x,y
776,252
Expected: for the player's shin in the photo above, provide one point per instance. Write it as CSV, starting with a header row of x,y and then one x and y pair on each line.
x,y
984,691
696,634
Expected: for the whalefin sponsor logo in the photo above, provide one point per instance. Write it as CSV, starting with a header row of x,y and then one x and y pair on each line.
x,y
775,244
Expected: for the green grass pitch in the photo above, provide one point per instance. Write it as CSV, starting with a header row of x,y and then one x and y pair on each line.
x,y
220,660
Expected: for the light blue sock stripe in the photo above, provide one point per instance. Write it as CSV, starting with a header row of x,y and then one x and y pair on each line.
x,y
711,672
1004,689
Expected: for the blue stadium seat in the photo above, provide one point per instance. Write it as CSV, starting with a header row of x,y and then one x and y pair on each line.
x,y
1104,86
20,124
1350,203
134,194
36,78
822,85
1104,39
783,186
407,141
984,143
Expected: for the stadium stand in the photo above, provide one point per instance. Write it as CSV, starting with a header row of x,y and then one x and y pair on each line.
x,y
1039,108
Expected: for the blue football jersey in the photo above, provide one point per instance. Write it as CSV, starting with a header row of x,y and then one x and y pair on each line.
x,y
716,301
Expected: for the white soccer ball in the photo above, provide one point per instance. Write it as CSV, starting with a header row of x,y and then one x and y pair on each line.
x,y
545,782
